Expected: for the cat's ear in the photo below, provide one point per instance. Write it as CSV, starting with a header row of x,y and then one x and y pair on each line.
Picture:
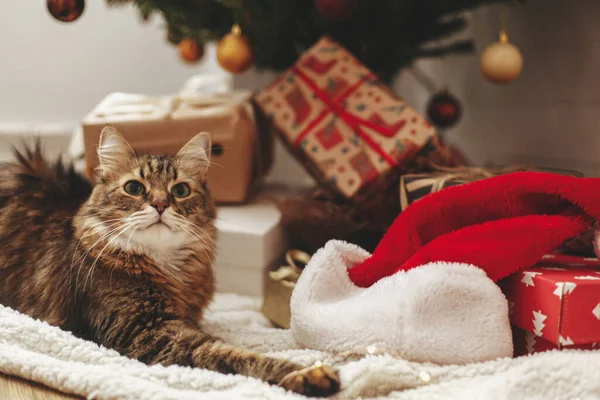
x,y
196,152
114,152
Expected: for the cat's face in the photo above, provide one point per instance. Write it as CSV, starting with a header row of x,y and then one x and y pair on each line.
x,y
151,204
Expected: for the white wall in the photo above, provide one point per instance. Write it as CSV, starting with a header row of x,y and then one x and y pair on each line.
x,y
53,73
56,72
551,114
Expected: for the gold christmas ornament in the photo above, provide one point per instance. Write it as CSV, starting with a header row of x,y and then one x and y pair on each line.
x,y
501,62
190,51
234,53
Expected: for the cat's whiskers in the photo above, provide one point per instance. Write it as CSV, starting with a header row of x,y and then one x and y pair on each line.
x,y
211,163
187,226
84,255
182,220
73,261
103,237
202,230
108,233
126,249
185,223
91,228
199,239
125,228
129,239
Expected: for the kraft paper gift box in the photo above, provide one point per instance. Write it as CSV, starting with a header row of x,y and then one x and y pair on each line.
x,y
241,153
352,133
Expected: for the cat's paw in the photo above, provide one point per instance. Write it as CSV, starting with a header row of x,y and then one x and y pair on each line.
x,y
315,381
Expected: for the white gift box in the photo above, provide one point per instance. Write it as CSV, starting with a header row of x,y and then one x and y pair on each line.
x,y
251,242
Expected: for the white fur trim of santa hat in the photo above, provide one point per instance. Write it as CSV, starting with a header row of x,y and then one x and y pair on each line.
x,y
444,313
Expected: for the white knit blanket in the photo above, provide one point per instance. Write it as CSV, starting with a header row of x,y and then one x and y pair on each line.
x,y
42,353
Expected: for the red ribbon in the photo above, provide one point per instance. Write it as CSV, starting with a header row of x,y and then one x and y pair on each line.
x,y
352,120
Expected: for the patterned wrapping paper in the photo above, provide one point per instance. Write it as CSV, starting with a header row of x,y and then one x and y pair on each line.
x,y
558,300
347,127
528,343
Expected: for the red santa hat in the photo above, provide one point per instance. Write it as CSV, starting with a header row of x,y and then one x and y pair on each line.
x,y
428,291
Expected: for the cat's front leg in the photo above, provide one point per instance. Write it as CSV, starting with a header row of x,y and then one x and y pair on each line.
x,y
159,338
316,381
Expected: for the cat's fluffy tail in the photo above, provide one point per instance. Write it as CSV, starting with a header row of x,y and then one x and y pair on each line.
x,y
35,174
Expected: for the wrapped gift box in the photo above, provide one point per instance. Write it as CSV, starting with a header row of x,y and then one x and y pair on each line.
x,y
528,343
343,124
415,186
251,242
558,300
162,125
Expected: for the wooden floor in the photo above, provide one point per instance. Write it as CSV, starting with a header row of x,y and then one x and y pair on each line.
x,y
12,388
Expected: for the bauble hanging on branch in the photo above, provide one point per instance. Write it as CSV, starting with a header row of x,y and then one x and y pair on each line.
x,y
234,52
336,10
190,51
65,10
501,62
444,110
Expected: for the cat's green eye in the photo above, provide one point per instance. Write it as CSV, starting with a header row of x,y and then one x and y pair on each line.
x,y
134,188
181,190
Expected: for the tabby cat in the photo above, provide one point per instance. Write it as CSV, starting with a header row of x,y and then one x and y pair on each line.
x,y
126,263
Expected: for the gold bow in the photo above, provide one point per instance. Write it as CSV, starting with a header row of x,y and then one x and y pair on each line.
x,y
278,292
289,274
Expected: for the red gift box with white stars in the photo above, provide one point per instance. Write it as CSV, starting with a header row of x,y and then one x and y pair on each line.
x,y
555,304
342,123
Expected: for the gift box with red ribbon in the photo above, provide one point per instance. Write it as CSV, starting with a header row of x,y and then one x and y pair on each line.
x,y
557,302
347,128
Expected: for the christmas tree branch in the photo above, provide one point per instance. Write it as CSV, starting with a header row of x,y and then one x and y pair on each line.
x,y
385,35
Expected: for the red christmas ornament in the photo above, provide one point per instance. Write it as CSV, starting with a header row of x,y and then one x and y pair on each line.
x,y
444,110
65,10
336,10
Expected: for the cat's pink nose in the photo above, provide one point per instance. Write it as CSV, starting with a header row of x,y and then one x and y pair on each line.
x,y
160,205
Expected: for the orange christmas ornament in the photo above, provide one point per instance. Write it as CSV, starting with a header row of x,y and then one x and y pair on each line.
x,y
190,51
234,52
